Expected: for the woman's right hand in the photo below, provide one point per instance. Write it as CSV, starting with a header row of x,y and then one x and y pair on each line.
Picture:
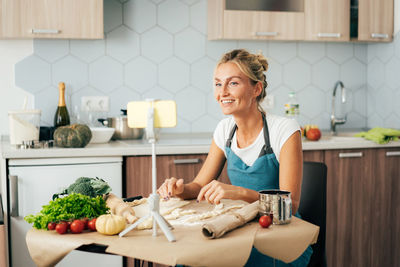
x,y
171,187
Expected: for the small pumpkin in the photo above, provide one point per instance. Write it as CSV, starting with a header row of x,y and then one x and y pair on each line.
x,y
75,135
109,224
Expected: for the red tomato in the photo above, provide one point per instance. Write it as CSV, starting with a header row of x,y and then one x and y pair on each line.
x,y
51,226
85,221
92,224
265,221
77,226
313,134
62,228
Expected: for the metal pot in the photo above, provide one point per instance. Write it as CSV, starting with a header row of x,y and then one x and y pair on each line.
x,y
122,131
276,203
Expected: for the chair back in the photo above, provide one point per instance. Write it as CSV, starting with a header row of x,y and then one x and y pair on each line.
x,y
313,206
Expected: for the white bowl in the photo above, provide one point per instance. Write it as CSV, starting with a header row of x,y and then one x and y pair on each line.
x,y
101,134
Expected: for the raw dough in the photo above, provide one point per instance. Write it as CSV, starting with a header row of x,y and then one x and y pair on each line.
x,y
172,211
138,202
166,207
218,210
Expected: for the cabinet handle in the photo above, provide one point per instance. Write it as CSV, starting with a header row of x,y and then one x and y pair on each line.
x,y
380,35
329,35
186,161
13,195
266,33
351,155
392,153
51,31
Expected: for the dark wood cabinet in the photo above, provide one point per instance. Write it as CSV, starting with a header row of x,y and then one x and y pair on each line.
x,y
348,212
313,155
385,208
138,171
363,214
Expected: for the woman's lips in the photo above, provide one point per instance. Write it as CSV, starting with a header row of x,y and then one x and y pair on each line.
x,y
227,101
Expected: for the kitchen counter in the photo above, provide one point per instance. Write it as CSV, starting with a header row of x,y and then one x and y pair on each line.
x,y
170,144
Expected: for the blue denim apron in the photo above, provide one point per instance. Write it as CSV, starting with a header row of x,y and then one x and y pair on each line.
x,y
263,174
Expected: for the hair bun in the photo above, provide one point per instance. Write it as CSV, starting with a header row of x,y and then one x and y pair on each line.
x,y
263,61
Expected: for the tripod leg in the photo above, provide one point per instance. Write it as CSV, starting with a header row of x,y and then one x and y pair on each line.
x,y
164,226
128,229
167,222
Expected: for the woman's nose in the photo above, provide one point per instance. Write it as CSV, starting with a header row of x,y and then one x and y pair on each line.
x,y
224,90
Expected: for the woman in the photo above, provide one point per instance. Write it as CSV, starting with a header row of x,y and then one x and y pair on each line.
x,y
263,151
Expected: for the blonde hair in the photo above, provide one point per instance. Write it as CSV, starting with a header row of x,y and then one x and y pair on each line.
x,y
252,65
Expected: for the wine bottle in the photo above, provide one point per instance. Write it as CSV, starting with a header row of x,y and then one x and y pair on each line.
x,y
61,117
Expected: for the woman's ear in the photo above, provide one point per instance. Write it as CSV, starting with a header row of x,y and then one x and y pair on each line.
x,y
258,89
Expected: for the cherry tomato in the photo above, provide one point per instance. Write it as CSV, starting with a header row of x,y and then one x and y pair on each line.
x,y
77,226
68,225
62,228
85,221
92,224
51,226
265,221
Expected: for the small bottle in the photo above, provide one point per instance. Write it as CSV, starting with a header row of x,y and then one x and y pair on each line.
x,y
292,108
61,117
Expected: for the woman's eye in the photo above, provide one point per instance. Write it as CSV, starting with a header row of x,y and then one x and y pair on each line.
x,y
233,83
218,84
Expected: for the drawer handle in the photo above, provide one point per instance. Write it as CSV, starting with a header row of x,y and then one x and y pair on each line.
x,y
13,195
380,35
266,33
392,153
186,161
328,35
50,31
351,155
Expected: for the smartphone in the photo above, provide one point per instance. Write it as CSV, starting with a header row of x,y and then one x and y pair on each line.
x,y
164,113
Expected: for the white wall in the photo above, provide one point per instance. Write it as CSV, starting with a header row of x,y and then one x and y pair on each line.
x,y
12,51
396,16
12,97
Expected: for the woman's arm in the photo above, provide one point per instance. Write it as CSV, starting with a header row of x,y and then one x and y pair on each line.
x,y
291,168
213,191
210,170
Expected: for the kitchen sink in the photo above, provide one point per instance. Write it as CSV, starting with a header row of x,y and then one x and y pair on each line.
x,y
341,137
338,138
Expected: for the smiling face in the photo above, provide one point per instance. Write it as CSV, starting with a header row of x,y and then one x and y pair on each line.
x,y
234,91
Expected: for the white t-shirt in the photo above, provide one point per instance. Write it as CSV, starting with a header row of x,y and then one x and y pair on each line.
x,y
280,129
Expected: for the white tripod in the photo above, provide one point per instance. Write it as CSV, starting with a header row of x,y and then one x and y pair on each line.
x,y
154,199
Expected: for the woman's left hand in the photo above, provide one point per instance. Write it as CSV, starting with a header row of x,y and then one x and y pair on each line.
x,y
214,191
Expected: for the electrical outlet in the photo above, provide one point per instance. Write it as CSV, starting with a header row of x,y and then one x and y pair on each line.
x,y
95,103
268,102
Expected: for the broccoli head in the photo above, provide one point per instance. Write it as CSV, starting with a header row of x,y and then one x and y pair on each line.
x,y
82,188
91,187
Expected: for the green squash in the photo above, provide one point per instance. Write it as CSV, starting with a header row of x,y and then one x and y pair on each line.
x,y
75,135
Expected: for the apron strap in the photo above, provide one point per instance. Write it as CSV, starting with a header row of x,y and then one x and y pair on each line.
x,y
266,149
229,140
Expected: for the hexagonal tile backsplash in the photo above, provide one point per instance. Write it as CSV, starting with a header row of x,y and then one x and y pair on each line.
x,y
159,49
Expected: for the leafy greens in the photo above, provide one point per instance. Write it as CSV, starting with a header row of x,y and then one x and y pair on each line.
x,y
73,206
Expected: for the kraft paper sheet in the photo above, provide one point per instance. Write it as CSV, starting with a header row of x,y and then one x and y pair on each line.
x,y
284,242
